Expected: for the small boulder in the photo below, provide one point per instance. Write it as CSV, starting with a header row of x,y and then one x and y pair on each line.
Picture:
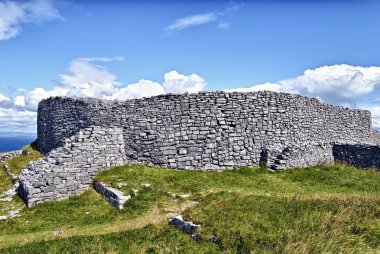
x,y
186,226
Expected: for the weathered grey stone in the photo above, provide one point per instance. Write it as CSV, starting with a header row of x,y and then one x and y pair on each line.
x,y
364,156
186,226
113,196
208,130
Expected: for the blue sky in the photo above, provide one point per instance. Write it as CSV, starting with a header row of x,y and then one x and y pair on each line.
x,y
128,49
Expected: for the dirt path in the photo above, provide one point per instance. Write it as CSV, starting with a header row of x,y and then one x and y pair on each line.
x,y
154,216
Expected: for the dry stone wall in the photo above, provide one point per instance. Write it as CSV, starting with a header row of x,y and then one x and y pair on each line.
x,y
208,130
364,156
69,169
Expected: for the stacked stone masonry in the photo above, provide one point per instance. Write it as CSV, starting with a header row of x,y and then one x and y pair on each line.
x,y
208,130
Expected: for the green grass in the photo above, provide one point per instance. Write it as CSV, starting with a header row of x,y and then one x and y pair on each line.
x,y
290,224
150,239
321,209
17,164
5,181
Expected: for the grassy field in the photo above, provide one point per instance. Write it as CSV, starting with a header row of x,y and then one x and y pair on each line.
x,y
321,209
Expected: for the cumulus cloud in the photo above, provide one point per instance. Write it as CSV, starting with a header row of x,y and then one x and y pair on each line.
x,y
87,77
30,99
143,88
204,18
179,83
17,120
84,78
4,98
342,84
15,14
5,101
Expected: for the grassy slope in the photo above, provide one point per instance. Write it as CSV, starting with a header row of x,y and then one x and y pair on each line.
x,y
17,164
327,209
5,181
6,184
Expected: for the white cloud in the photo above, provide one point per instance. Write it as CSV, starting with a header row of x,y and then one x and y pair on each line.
x,y
30,99
144,88
84,78
15,120
41,10
337,84
174,82
179,83
5,101
261,87
20,101
14,14
341,84
194,20
3,98
202,19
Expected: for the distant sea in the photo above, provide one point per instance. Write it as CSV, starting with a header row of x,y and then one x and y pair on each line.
x,y
13,142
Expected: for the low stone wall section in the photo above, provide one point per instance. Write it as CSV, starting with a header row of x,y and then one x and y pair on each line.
x,y
364,156
302,156
68,170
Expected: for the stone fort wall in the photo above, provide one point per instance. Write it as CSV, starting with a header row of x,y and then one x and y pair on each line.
x,y
208,130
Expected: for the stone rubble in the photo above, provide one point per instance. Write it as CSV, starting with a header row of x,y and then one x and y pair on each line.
x,y
9,155
113,196
186,226
9,194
